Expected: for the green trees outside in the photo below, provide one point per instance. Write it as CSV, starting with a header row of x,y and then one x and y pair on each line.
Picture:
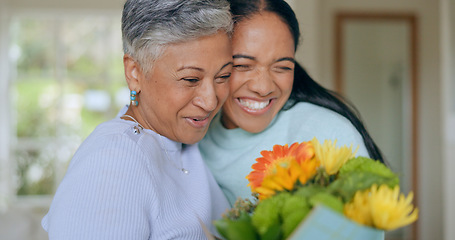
x,y
67,79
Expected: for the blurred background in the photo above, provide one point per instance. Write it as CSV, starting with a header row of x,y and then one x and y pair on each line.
x,y
61,74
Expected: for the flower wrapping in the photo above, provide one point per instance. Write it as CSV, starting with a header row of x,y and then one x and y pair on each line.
x,y
324,224
313,189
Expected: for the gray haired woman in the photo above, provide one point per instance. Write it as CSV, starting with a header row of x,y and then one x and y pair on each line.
x,y
140,175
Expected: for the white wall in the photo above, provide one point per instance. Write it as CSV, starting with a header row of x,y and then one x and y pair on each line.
x,y
448,120
430,150
308,51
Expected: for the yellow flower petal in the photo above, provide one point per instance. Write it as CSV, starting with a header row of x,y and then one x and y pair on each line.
x,y
358,209
390,209
330,156
382,208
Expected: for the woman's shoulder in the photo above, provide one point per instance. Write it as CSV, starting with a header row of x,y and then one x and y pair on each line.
x,y
304,111
119,130
112,127
108,175
305,107
113,141
311,118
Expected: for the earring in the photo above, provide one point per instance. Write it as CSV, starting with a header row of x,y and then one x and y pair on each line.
x,y
134,101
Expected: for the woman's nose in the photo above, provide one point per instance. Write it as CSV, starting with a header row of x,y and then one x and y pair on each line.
x,y
262,82
206,97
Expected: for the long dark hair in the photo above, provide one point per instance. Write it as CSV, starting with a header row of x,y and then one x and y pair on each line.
x,y
305,89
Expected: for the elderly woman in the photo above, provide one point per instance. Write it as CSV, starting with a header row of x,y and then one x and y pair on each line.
x,y
140,176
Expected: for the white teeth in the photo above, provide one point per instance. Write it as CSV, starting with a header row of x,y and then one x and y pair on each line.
x,y
254,105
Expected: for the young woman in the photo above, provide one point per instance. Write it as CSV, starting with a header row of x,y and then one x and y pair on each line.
x,y
272,99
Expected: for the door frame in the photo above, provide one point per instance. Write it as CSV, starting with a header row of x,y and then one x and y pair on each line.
x,y
411,20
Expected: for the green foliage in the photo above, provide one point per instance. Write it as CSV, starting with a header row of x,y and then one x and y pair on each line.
x,y
368,165
267,214
359,174
346,186
327,200
32,112
294,203
37,53
240,228
275,218
310,190
28,159
52,60
295,209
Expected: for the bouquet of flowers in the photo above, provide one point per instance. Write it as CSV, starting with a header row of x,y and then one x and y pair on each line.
x,y
290,181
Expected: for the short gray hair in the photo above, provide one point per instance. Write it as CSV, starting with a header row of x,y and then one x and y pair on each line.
x,y
149,25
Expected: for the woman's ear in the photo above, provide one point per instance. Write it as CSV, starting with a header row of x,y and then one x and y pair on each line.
x,y
132,72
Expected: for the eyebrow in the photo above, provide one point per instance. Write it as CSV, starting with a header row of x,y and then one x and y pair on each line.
x,y
200,69
190,67
227,64
253,58
243,56
286,59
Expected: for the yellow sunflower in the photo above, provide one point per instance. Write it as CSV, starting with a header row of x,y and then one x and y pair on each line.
x,y
330,156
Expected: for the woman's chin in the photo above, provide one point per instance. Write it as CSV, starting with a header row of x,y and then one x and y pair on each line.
x,y
192,138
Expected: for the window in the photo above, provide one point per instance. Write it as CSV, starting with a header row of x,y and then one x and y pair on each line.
x,y
67,77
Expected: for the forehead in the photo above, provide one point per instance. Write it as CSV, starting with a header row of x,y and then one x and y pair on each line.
x,y
208,50
264,31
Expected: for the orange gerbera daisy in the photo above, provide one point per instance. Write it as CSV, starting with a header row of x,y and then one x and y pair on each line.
x,y
286,178
279,169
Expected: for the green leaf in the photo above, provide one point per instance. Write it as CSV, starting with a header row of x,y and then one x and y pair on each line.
x,y
346,186
295,208
222,226
309,190
368,165
328,200
294,203
239,229
293,220
267,212
272,233
359,174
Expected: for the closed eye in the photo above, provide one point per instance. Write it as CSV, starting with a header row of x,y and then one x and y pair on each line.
x,y
282,69
191,80
286,68
240,67
224,78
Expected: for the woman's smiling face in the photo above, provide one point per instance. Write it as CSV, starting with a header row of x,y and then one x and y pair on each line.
x,y
263,74
185,88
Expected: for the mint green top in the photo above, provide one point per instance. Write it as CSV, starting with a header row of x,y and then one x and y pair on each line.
x,y
229,153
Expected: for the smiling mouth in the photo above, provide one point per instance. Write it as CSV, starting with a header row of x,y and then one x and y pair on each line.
x,y
254,105
199,121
